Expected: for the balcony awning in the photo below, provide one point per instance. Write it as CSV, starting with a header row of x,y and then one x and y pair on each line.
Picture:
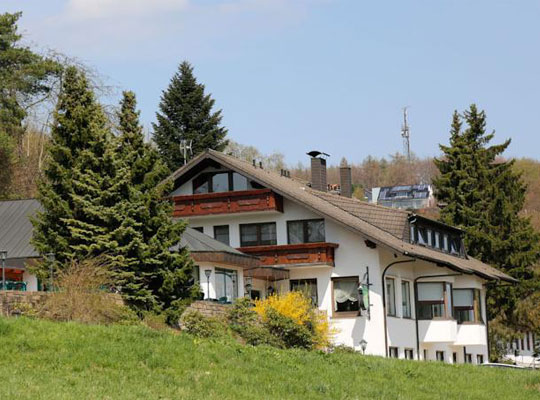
x,y
271,274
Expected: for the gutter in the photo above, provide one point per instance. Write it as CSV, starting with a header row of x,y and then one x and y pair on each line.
x,y
384,299
416,306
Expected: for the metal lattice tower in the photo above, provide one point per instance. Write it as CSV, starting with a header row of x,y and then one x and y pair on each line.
x,y
406,134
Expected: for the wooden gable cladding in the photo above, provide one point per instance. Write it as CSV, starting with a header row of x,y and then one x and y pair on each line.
x,y
294,254
227,203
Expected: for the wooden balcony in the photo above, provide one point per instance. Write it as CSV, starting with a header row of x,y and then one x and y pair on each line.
x,y
227,203
294,254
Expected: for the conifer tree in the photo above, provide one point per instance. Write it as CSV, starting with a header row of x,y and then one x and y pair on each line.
x,y
484,197
153,276
185,113
23,78
82,181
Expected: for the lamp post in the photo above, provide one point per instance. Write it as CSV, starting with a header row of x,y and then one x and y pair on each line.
x,y
363,345
3,257
50,259
249,285
208,272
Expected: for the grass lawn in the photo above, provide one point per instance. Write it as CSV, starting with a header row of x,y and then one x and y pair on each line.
x,y
47,360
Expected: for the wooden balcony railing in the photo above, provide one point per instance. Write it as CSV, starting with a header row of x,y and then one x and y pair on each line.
x,y
294,254
227,203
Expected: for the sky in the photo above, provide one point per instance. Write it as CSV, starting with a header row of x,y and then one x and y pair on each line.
x,y
331,75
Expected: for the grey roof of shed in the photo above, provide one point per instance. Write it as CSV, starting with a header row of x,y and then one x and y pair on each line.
x,y
16,233
383,225
197,242
16,228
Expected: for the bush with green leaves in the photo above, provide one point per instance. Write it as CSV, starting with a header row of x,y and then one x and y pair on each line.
x,y
246,323
196,324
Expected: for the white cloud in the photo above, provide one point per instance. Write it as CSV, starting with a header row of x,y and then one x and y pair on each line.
x,y
87,9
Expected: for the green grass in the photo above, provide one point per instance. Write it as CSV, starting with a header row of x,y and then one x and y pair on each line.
x,y
46,360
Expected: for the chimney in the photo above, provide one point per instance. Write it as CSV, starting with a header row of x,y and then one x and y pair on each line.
x,y
318,170
345,179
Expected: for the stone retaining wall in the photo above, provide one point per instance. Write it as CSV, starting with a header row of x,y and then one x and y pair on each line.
x,y
15,302
209,308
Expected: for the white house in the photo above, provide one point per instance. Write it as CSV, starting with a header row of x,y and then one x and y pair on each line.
x,y
524,350
399,284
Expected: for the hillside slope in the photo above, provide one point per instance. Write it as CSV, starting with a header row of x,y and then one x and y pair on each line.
x,y
46,360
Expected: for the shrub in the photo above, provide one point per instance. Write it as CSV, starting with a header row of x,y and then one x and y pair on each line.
x,y
288,331
81,296
196,324
246,323
295,306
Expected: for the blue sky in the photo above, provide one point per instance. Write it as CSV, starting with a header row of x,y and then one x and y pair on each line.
x,y
297,75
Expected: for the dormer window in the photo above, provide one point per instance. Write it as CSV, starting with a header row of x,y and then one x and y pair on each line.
x,y
436,236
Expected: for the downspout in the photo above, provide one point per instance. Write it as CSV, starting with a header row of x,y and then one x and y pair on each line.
x,y
416,307
384,300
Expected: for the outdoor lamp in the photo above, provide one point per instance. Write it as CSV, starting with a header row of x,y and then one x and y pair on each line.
x,y
363,345
50,258
3,257
249,284
208,272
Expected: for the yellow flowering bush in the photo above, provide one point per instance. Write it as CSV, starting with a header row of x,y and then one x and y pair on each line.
x,y
296,306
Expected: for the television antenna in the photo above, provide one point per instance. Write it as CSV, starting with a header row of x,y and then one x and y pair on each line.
x,y
186,146
406,134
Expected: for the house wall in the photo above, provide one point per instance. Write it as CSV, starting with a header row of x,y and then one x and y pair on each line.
x,y
352,258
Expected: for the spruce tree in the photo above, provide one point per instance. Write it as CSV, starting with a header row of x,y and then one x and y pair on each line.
x,y
484,196
185,113
83,179
153,276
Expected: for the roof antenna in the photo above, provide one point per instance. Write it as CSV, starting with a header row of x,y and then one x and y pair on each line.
x,y
406,134
185,147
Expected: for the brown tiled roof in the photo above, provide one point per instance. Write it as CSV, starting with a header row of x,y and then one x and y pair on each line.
x,y
385,226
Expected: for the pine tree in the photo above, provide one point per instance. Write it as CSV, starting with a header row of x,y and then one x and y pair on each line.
x,y
186,114
484,197
153,276
83,179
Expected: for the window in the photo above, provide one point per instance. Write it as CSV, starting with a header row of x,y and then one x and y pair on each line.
x,y
346,297
308,286
454,357
468,358
439,355
198,228
425,354
393,352
215,182
221,234
409,354
479,358
406,299
196,274
434,300
467,305
433,236
258,234
528,341
226,285
308,231
390,297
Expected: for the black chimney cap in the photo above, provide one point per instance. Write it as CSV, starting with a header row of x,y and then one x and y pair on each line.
x,y
316,153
